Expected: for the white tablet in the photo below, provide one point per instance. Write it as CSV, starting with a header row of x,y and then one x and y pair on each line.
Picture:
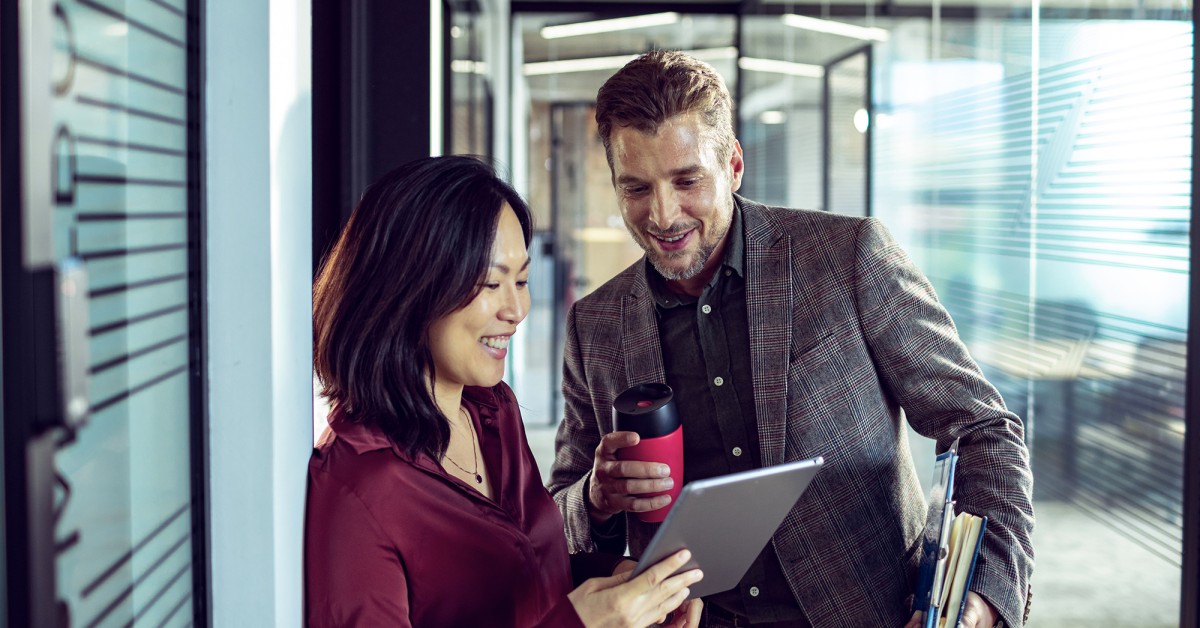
x,y
726,521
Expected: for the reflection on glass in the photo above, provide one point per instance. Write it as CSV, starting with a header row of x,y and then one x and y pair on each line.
x,y
1048,199
470,86
121,188
582,241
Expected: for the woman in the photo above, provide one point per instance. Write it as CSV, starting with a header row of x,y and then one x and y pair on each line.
x,y
425,506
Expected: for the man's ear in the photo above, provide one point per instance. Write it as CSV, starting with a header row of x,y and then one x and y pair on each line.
x,y
737,166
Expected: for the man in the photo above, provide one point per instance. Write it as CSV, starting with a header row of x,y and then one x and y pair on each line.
x,y
786,334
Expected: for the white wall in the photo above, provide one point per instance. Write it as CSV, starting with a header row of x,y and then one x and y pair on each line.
x,y
258,203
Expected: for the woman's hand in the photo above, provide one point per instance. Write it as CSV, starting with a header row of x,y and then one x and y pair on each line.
x,y
686,616
621,602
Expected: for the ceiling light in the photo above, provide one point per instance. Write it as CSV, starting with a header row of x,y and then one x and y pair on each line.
x,y
862,120
588,64
467,66
608,26
773,116
577,65
781,67
869,33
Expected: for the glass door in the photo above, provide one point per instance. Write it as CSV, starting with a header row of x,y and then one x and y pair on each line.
x,y
847,136
117,122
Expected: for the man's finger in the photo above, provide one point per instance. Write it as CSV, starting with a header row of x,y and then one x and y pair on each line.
x,y
646,504
634,469
638,487
616,440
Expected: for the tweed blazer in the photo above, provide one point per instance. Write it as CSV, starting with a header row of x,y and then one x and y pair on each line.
x,y
847,339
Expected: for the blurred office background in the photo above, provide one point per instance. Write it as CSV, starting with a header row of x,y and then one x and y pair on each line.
x,y
196,159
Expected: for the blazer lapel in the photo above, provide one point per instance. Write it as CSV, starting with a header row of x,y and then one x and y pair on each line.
x,y
639,334
769,311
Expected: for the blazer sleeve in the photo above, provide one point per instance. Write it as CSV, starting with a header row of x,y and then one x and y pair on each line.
x,y
575,450
353,575
925,366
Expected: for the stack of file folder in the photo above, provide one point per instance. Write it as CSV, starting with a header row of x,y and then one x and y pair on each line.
x,y
949,549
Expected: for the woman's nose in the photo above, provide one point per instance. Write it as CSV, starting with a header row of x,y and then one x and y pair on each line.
x,y
515,306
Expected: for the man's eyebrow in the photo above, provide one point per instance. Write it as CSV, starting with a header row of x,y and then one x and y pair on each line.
x,y
693,169
626,179
505,269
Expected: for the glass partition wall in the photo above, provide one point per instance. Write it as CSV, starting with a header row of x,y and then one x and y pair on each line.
x,y
1037,163
1033,157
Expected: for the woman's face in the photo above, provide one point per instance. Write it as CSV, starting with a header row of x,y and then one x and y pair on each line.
x,y
469,345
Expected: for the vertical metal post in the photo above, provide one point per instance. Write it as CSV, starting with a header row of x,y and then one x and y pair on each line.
x,y
1190,593
868,105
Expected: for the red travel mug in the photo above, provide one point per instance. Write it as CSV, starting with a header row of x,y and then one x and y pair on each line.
x,y
648,410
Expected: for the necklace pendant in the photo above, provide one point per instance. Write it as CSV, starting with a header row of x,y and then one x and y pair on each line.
x,y
478,479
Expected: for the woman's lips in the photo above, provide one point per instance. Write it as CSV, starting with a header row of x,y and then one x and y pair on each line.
x,y
498,352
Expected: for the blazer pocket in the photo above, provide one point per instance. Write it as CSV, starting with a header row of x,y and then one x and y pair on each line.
x,y
816,352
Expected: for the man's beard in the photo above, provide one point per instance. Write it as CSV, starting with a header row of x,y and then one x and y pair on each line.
x,y
659,259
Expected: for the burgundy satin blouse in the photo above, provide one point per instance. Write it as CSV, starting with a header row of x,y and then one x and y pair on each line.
x,y
392,540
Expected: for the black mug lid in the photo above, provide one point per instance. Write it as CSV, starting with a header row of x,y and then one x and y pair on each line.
x,y
647,409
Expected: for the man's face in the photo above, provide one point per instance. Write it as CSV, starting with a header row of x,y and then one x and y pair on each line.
x,y
675,191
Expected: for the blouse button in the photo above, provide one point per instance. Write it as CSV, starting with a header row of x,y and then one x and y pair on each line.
x,y
737,451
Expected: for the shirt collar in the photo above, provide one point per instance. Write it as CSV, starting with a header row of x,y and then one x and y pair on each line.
x,y
365,436
735,260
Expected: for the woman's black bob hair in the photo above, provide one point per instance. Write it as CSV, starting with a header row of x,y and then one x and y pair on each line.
x,y
416,248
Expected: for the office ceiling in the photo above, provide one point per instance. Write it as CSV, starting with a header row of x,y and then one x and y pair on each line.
x,y
765,37
775,5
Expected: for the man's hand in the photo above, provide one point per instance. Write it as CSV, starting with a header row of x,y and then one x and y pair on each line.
x,y
977,614
616,484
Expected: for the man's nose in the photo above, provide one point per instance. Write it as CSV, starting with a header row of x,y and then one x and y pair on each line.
x,y
664,208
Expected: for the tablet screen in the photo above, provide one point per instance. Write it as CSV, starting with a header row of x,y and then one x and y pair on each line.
x,y
726,521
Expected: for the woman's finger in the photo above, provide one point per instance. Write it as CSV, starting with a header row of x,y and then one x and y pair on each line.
x,y
662,570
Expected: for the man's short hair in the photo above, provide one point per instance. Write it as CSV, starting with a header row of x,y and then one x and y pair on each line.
x,y
660,85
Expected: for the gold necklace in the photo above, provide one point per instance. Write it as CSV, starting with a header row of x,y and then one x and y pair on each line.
x,y
474,452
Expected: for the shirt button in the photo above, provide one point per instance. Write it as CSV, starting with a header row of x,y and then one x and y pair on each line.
x,y
728,272
707,309
719,381
753,591
737,451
